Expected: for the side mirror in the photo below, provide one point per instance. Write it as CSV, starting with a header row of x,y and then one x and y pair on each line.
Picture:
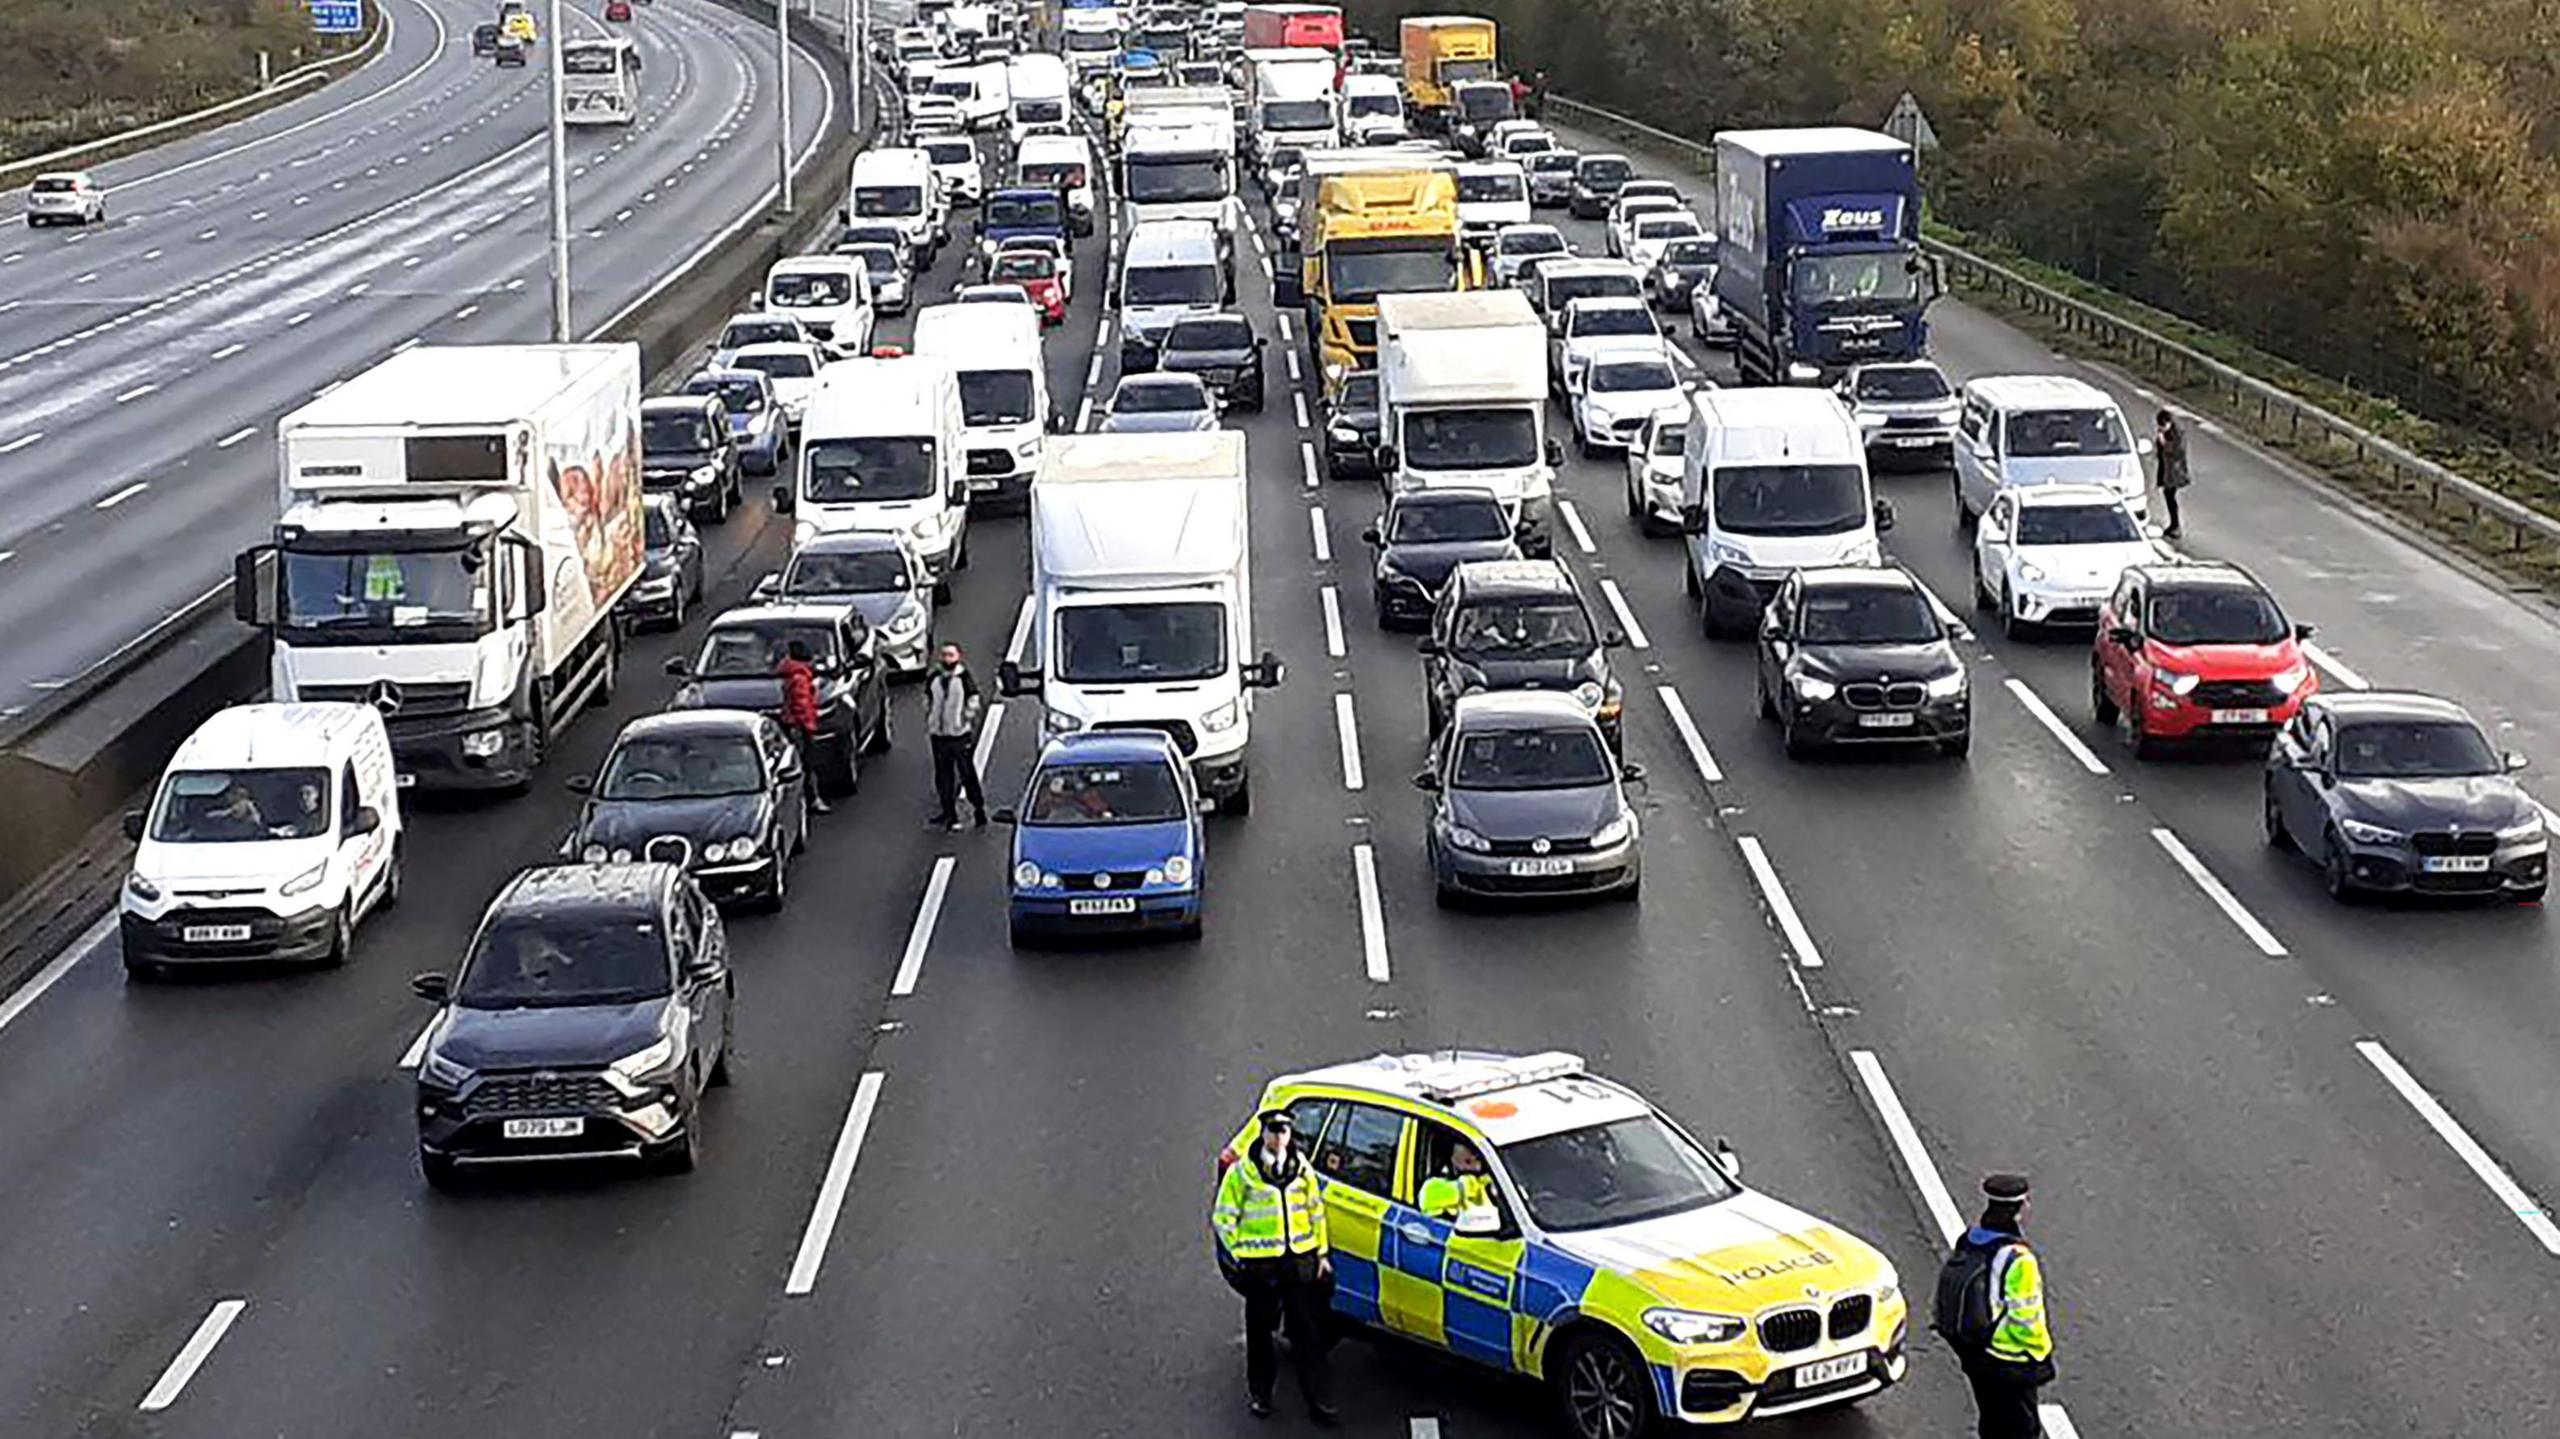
x,y
1371,537
579,784
1727,1160
2124,635
1426,646
367,820
1614,639
248,596
2143,447
782,499
2304,632
706,969
2514,762
1261,343
1058,424
767,587
1427,782
1013,683
1007,814
1266,673
1884,516
1693,519
1631,773
436,988
1388,457
680,667
134,819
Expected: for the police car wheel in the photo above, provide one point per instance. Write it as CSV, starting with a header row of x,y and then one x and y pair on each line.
x,y
1605,1391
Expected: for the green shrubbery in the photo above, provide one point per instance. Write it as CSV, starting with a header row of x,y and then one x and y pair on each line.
x,y
72,70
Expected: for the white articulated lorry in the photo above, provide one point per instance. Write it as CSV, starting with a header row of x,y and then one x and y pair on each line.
x,y
458,525
1463,391
1143,596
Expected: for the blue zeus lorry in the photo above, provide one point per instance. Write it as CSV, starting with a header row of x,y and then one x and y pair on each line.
x,y
1818,263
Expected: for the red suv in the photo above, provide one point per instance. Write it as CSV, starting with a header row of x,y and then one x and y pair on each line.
x,y
2193,652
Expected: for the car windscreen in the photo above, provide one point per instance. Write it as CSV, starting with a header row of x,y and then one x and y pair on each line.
x,y
1374,104
1092,42
2076,525
211,806
1790,499
1215,332
1603,173
2415,749
759,332
1061,174
1025,265
870,467
657,526
1605,1175
995,397
2042,434
1529,242
2216,616
1613,320
1564,757
700,765
1448,522
1505,439
951,152
589,60
1359,394
1658,227
1624,376
780,367
752,649
1174,179
55,185
1563,290
1358,276
1141,643
1170,285
738,397
1689,253
1116,793
1554,162
796,290
1039,112
1539,627
1490,189
880,260
1671,438
1296,114
1903,382
1866,615
538,961
1025,212
882,202
674,434
1150,395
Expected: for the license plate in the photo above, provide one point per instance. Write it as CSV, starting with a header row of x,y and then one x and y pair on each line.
x,y
1888,719
1532,868
213,933
2455,864
2239,716
569,1128
1914,442
1116,904
1826,1371
982,487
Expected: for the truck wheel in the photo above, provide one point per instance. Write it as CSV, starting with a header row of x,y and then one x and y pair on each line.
x,y
1240,803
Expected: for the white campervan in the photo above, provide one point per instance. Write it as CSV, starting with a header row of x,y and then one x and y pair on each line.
x,y
830,295
1773,480
1004,391
880,450
895,186
274,830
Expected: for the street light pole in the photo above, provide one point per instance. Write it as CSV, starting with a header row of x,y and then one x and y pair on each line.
x,y
856,27
560,331
782,70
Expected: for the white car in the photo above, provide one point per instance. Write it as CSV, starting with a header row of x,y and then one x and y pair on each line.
x,y
1624,214
793,368
1516,245
1621,390
1652,234
66,197
1905,408
1707,319
994,293
2051,554
1654,463
1500,135
955,164
2043,430
1521,144
892,288
1591,328
757,327
931,115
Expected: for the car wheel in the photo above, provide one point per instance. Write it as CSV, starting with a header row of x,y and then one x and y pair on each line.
x,y
2136,737
1240,803
390,883
1019,935
440,1171
2533,895
2010,624
1582,444
145,971
1689,579
1981,591
1959,747
1799,745
887,735
2100,703
2334,874
771,902
342,937
684,1155
1766,707
675,611
942,592
2278,837
1606,1393
1964,515
1444,897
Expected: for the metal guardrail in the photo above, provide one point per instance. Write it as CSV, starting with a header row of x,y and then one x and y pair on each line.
x,y
2276,408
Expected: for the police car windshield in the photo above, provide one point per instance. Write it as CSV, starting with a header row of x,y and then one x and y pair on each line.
x,y
1610,1174
1089,794
228,806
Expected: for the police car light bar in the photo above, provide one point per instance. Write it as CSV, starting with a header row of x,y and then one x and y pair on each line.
x,y
1509,1074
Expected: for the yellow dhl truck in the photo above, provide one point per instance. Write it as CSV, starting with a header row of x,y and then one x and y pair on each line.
x,y
1371,222
1440,51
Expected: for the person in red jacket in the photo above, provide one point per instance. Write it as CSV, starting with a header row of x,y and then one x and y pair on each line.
x,y
800,713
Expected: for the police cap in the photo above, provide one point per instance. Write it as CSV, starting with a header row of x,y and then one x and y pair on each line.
x,y
2006,1188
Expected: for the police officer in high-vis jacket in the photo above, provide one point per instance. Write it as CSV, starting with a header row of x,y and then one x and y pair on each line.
x,y
1269,1219
1991,1310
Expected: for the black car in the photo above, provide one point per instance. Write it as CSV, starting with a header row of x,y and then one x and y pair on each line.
x,y
737,670
718,792
1518,625
593,1010
484,41
1223,351
1527,801
2404,793
671,571
1425,534
1596,180
1354,426
1685,265
1859,656
686,451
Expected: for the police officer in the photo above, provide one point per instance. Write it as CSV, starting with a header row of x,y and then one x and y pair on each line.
x,y
1467,1186
1269,1219
1990,1309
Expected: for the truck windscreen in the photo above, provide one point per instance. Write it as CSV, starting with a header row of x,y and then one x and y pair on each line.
x,y
872,467
401,590
1453,71
1142,643
995,397
1357,276
888,202
1173,179
1150,285
1835,279
1504,439
1040,112
1296,114
1790,499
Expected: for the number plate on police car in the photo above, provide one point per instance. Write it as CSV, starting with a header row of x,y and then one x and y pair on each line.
x,y
566,1128
1116,904
2455,864
1886,719
1828,1371
2239,716
1532,868
213,933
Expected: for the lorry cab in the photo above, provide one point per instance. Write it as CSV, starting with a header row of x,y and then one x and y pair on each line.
x,y
1021,211
896,185
1169,269
1369,103
1820,266
880,449
1773,481
1180,164
1063,163
994,350
1463,383
274,830
831,295
2044,430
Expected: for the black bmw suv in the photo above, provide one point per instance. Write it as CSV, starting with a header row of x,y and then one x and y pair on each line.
x,y
593,1010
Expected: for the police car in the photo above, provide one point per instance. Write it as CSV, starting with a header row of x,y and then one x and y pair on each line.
x,y
1620,1260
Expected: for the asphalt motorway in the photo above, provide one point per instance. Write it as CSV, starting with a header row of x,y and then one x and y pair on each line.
x,y
958,1190
143,365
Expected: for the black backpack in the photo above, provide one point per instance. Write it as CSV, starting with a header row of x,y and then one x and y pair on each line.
x,y
1962,1311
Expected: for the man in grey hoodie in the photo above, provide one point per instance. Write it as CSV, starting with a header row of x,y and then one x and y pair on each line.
x,y
952,710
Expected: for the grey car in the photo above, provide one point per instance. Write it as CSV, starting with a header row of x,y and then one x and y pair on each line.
x,y
875,573
1551,177
1159,404
1527,801
2403,793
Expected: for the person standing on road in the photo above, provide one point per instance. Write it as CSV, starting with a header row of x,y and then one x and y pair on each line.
x,y
1990,1310
800,714
1269,1219
2171,444
952,710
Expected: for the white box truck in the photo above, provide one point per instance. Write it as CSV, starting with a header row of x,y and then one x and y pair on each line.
x,y
1143,598
1289,99
458,525
1463,385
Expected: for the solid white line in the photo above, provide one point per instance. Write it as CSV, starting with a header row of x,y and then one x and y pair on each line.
x,y
1373,916
416,1053
1774,892
137,392
2053,722
60,965
1346,728
1626,616
1573,525
2337,671
1021,632
1292,357
2222,897
2057,1424
1324,542
191,1357
227,351
21,442
1307,463
822,1215
920,938
1265,262
235,437
1298,407
1255,234
120,496
987,727
1332,602
1093,372
1693,741
2533,1216
1906,1139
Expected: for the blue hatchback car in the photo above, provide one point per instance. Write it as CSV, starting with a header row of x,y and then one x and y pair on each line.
x,y
756,424
1107,840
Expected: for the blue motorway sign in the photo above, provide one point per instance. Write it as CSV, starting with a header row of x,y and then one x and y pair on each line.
x,y
337,17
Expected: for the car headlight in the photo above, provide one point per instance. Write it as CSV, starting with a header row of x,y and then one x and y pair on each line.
x,y
1725,552
1342,434
2528,829
306,881
1223,718
2174,682
802,533
1800,373
443,1073
743,847
1870,420
1813,687
655,587
140,888
702,475
622,856
1947,686
2363,833
592,854
641,1063
2031,572
1615,830
1059,722
2290,678
715,851
1464,838
1890,1290
1177,870
1689,1326
1026,875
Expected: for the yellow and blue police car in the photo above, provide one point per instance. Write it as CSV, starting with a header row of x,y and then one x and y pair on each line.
x,y
1619,1260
